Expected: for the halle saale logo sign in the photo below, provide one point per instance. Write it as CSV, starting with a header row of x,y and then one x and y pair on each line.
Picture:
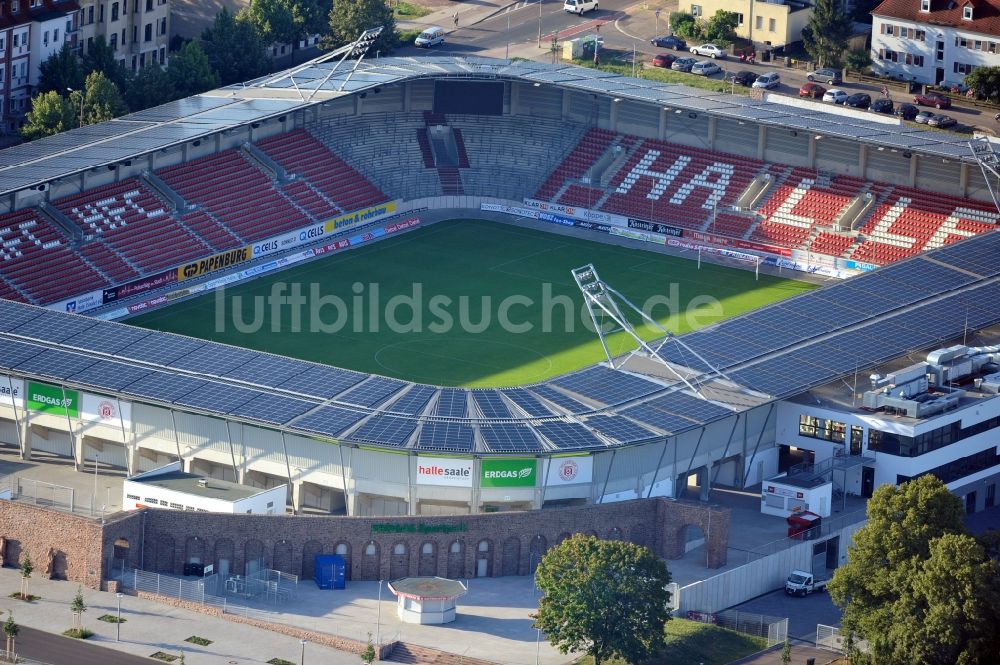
x,y
516,472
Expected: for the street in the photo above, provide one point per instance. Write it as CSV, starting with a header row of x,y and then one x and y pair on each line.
x,y
52,649
525,30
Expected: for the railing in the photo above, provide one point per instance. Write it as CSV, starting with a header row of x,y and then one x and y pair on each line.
x,y
826,527
775,629
201,591
830,638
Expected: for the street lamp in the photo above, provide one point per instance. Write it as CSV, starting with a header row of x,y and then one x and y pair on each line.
x,y
538,643
378,620
302,658
71,90
118,625
539,23
507,51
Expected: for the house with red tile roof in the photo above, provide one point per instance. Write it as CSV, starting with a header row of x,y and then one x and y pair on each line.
x,y
935,41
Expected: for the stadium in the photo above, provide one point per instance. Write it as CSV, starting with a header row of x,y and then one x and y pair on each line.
x,y
121,242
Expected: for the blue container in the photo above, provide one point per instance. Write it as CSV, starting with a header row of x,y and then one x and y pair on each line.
x,y
331,571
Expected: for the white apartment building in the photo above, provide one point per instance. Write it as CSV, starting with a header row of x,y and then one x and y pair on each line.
x,y
138,30
935,41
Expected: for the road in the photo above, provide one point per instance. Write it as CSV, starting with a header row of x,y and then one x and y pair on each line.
x,y
58,650
624,26
803,613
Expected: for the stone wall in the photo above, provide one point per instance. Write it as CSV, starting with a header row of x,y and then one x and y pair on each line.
x,y
88,551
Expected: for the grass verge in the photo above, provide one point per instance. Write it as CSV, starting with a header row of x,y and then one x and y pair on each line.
x,y
110,618
164,656
200,641
408,10
79,633
694,642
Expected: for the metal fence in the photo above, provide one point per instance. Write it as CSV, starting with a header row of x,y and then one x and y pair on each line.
x,y
827,527
775,629
50,495
830,638
203,590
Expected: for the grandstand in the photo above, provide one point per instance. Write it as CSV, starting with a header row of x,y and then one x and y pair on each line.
x,y
110,218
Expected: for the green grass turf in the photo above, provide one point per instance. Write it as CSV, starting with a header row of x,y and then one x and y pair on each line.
x,y
694,642
470,259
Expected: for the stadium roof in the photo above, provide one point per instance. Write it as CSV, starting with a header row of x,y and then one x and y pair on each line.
x,y
131,136
777,351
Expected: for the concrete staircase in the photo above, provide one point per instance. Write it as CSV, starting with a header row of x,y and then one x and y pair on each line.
x,y
409,653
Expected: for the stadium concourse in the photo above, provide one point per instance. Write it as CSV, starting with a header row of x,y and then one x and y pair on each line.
x,y
139,212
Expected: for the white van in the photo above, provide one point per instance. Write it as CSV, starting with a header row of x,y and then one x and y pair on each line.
x,y
579,6
433,36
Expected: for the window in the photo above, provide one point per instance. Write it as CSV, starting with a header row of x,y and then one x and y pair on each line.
x,y
270,504
739,16
177,506
925,5
100,17
818,428
960,468
148,32
55,35
484,546
399,549
991,47
134,497
760,23
918,60
14,5
963,68
163,25
151,502
919,35
889,29
962,41
977,45
45,38
456,547
341,549
427,548
114,41
370,549
967,12
149,5
771,25
909,59
695,10
114,11
17,39
90,14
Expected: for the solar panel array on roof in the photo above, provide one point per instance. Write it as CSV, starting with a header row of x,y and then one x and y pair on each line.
x,y
560,399
387,430
321,381
373,391
692,408
490,404
661,420
275,409
456,437
527,402
619,428
109,375
329,420
451,404
569,436
606,385
509,438
413,401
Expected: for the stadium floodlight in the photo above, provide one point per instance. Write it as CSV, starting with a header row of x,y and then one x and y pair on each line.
x,y
356,49
601,297
989,162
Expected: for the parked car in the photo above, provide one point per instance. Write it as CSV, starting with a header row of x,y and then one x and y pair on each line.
x,y
882,106
578,7
803,583
922,117
812,90
907,111
683,64
743,78
826,75
705,68
942,121
859,100
933,99
432,36
835,95
711,50
664,41
664,60
768,81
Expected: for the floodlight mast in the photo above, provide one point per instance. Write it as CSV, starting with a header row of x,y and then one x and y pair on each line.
x,y
356,49
599,295
989,162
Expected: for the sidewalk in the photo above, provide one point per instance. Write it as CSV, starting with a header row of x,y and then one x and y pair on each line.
x,y
150,627
470,12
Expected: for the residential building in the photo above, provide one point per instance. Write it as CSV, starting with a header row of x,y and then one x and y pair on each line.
x,y
770,23
138,30
30,31
935,41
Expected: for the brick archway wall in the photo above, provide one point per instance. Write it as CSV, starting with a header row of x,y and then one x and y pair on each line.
x,y
676,516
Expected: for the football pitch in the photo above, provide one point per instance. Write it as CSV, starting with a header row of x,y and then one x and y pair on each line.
x,y
463,303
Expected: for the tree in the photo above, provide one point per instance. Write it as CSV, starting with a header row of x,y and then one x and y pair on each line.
x,y
859,59
913,539
786,653
102,101
684,25
26,569
285,21
50,113
101,57
985,81
368,655
234,48
603,597
829,32
78,607
190,72
61,70
10,629
722,27
152,86
349,18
